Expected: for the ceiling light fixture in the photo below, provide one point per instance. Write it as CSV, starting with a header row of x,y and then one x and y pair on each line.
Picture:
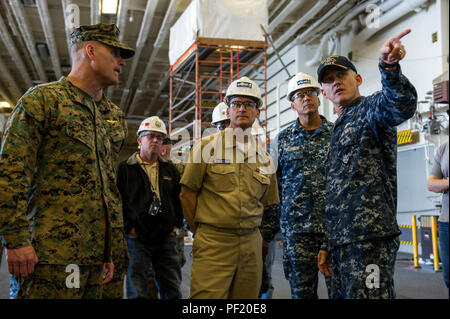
x,y
109,6
5,105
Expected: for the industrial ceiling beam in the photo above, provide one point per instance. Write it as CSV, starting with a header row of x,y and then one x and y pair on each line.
x,y
46,22
140,43
95,11
121,24
66,4
9,80
30,43
162,35
9,44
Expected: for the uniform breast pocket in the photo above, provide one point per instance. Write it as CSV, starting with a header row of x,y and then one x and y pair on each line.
x,y
260,183
81,134
347,147
116,136
222,177
294,161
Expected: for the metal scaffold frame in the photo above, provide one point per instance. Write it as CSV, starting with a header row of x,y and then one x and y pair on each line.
x,y
200,77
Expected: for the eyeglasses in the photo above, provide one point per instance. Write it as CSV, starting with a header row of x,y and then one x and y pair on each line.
x,y
301,95
246,104
153,136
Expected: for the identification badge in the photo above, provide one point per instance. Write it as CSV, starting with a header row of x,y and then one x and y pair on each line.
x,y
222,161
155,207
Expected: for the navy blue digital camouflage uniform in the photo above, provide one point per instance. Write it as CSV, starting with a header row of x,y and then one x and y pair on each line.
x,y
301,183
361,195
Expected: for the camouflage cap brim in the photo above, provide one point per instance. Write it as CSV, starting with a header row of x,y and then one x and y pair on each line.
x,y
105,33
125,51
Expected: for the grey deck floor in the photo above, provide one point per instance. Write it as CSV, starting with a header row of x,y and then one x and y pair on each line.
x,y
410,283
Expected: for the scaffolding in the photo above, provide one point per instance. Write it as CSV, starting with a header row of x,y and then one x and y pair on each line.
x,y
200,77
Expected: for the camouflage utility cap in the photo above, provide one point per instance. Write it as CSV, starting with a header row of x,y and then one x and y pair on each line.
x,y
105,33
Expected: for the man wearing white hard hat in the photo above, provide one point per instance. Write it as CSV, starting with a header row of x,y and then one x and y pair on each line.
x,y
219,116
301,153
224,199
149,185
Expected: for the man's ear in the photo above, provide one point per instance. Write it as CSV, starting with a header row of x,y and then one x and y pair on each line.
x,y
293,106
89,49
359,79
323,93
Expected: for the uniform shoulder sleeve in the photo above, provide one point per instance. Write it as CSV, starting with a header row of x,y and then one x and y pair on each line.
x,y
18,157
436,170
195,168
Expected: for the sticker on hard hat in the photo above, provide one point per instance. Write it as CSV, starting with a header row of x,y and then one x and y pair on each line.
x,y
244,85
305,81
158,124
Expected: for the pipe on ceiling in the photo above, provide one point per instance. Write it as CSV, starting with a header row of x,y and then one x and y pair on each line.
x,y
389,17
13,87
95,12
30,43
291,7
163,31
297,25
280,41
46,22
339,28
122,18
121,25
9,43
279,5
313,28
140,44
65,5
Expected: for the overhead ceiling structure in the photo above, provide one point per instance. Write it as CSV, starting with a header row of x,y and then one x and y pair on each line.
x,y
34,44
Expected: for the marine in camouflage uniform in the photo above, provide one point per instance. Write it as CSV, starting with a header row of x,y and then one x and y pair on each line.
x,y
361,195
301,152
57,180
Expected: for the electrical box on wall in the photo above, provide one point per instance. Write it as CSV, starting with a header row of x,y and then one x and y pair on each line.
x,y
440,92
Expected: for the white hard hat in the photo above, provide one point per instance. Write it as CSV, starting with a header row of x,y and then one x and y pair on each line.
x,y
152,123
245,87
299,81
257,129
219,113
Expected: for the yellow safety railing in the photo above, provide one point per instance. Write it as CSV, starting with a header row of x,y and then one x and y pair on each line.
x,y
416,246
434,236
415,243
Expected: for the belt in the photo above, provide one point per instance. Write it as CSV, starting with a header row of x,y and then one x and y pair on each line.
x,y
236,231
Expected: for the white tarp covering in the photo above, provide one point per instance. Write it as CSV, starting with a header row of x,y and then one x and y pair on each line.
x,y
225,19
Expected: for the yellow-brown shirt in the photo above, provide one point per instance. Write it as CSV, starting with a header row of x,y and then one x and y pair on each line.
x,y
232,185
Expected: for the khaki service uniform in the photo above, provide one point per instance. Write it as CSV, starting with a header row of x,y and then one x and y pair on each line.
x,y
231,196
